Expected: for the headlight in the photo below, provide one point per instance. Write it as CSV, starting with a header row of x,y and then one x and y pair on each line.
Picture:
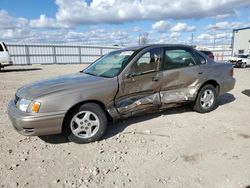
x,y
28,105
23,104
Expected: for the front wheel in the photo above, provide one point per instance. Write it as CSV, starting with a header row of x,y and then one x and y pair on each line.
x,y
87,124
206,100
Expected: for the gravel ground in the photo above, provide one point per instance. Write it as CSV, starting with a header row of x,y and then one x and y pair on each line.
x,y
176,148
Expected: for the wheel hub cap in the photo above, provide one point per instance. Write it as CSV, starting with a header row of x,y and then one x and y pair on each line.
x,y
207,99
85,124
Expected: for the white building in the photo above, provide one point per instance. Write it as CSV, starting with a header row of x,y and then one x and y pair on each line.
x,y
241,41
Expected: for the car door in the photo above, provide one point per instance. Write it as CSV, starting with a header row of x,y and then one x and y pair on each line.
x,y
181,76
140,86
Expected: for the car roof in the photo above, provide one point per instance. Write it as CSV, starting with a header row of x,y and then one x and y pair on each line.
x,y
204,50
135,48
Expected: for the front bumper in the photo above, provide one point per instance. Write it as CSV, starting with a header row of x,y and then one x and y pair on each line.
x,y
5,64
236,63
35,124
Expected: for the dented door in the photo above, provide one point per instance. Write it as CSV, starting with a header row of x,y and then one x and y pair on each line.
x,y
139,90
181,76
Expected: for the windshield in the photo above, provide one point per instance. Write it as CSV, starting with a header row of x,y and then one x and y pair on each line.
x,y
109,65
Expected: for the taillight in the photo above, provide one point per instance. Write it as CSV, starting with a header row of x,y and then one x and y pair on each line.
x,y
232,72
211,56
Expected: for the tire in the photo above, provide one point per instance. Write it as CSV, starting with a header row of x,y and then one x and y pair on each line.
x,y
206,100
243,65
238,64
87,124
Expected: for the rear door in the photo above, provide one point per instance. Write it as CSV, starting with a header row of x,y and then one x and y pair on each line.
x,y
181,75
139,89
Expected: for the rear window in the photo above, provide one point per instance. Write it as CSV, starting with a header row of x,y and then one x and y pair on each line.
x,y
5,47
1,48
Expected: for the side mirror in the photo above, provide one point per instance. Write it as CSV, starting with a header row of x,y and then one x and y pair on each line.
x,y
131,75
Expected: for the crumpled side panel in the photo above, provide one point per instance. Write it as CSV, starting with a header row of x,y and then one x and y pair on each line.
x,y
178,95
138,103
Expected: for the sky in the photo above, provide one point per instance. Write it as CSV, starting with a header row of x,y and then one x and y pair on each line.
x,y
121,22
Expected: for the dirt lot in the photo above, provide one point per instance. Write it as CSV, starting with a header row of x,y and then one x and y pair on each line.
x,y
176,148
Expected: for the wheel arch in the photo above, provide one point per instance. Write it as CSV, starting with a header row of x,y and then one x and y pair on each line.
x,y
211,82
76,106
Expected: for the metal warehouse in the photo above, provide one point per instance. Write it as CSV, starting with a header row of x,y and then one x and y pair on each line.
x,y
241,41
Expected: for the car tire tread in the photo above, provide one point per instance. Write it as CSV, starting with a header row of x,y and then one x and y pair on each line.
x,y
197,106
97,109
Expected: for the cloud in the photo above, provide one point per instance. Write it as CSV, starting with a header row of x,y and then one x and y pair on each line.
x,y
225,25
9,22
182,27
23,30
74,13
45,22
221,35
12,28
161,26
175,35
79,12
205,36
228,15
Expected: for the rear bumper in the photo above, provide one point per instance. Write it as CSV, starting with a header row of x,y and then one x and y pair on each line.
x,y
35,125
227,85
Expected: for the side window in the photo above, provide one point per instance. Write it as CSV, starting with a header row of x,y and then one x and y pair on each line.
x,y
177,58
1,48
201,59
240,51
148,62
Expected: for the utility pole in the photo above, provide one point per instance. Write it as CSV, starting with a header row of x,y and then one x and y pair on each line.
x,y
215,28
139,37
192,39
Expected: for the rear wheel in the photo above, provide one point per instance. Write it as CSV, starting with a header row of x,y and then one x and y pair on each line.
x,y
87,124
206,100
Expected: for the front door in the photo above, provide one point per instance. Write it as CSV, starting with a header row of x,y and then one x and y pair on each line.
x,y
139,90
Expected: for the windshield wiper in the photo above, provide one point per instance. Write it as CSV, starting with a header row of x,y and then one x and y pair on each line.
x,y
89,73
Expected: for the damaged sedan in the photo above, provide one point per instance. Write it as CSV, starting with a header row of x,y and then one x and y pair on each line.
x,y
120,84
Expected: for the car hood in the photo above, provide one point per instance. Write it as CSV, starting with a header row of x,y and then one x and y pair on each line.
x,y
57,84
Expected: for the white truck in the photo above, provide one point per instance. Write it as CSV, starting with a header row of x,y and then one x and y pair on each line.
x,y
4,56
240,60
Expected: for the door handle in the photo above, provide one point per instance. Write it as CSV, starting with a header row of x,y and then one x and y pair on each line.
x,y
200,72
155,79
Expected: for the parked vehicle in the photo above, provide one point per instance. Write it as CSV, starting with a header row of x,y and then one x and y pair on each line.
x,y
240,60
208,53
123,83
4,56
